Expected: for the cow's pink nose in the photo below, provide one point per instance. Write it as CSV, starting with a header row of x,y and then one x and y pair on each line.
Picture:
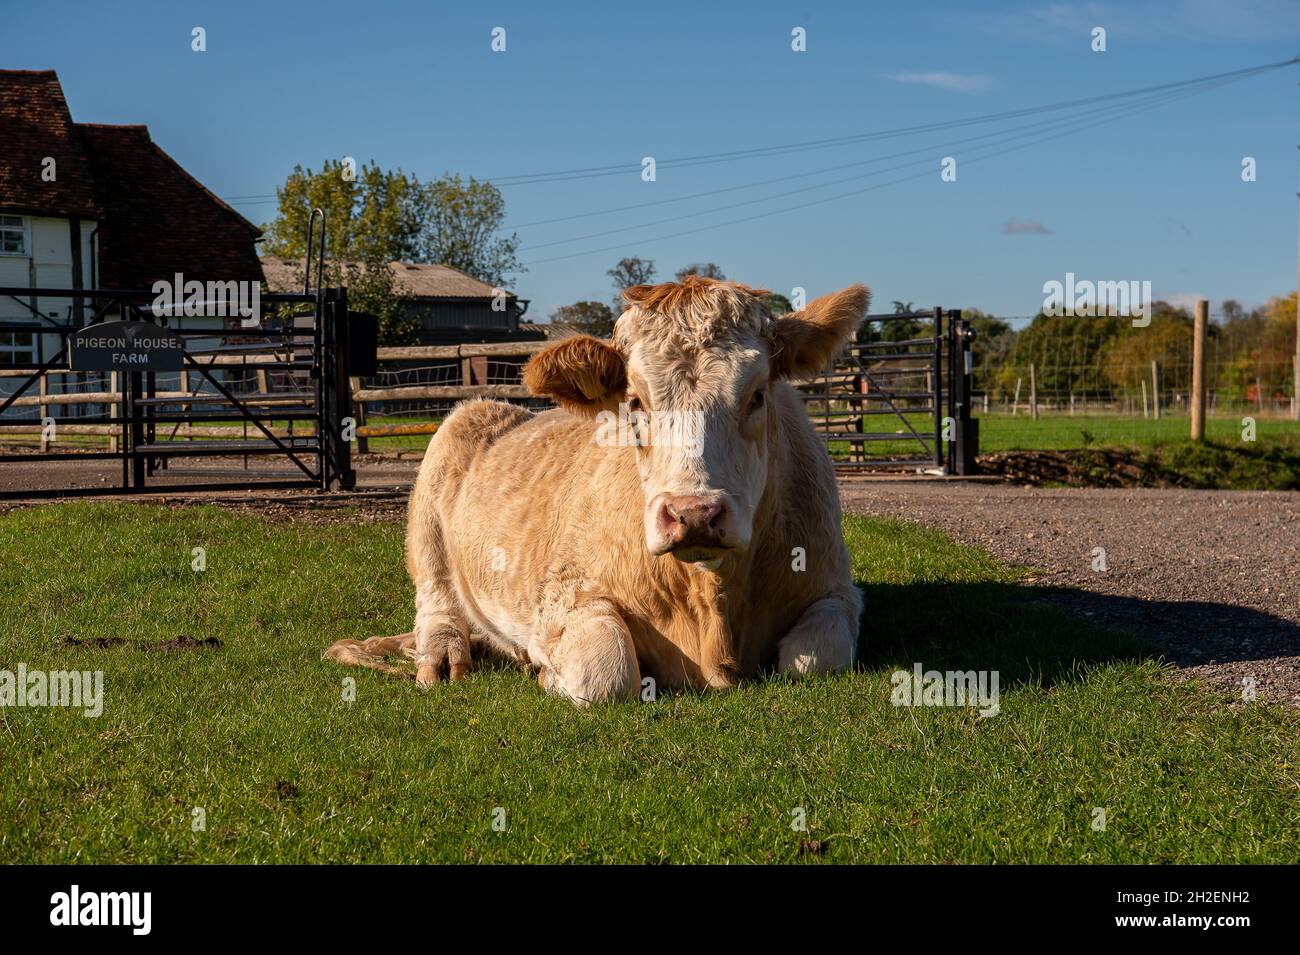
x,y
692,521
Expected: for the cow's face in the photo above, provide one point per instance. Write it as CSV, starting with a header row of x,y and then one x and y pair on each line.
x,y
686,383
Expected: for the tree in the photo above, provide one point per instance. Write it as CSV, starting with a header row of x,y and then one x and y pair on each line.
x,y
993,340
1167,341
381,216
629,272
590,318
374,214
459,225
896,330
777,304
1068,354
703,269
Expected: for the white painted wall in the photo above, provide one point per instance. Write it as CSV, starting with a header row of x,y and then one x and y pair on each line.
x,y
46,263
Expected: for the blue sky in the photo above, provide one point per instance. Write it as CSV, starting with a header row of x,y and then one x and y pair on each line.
x,y
1155,196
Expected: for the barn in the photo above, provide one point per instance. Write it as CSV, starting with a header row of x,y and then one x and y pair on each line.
x,y
450,306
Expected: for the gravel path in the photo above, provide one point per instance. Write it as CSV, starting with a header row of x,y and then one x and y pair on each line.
x,y
1212,576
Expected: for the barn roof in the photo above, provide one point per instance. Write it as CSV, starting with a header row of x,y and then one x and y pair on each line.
x,y
413,280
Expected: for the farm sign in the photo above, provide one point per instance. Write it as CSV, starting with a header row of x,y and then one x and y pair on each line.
x,y
125,346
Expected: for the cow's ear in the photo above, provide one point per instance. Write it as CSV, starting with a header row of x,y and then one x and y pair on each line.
x,y
804,342
582,374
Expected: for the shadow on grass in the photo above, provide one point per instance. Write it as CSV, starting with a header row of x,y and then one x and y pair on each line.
x,y
1048,637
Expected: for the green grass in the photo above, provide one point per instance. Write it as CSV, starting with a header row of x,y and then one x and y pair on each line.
x,y
256,734
1055,432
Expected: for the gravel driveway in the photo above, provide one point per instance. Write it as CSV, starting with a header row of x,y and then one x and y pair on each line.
x,y
1212,576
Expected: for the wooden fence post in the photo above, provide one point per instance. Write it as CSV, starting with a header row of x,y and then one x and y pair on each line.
x,y
117,411
1155,390
359,415
1015,402
1198,369
1033,393
44,411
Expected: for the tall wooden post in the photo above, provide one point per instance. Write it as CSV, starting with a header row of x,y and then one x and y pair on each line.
x,y
1155,389
1198,369
44,411
1033,392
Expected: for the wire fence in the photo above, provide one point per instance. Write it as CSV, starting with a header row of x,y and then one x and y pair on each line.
x,y
1064,384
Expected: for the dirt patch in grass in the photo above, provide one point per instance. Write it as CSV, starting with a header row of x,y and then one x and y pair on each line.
x,y
166,646
186,643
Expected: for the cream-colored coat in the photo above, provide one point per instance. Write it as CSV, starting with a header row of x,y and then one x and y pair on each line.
x,y
527,529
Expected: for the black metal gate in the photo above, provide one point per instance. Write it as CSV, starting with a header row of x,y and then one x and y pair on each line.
x,y
300,341
899,395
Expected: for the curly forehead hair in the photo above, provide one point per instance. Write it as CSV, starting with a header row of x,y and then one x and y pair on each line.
x,y
692,313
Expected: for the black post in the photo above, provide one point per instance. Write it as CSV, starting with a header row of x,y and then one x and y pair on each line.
x,y
967,428
336,467
137,431
936,387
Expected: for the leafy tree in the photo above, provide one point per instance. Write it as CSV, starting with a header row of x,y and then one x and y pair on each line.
x,y
1167,341
459,226
777,303
381,216
896,330
591,318
629,272
993,340
703,269
1067,352
373,215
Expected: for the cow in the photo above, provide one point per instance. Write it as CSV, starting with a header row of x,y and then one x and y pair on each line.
x,y
675,518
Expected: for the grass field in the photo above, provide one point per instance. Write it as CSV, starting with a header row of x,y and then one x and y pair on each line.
x,y
255,734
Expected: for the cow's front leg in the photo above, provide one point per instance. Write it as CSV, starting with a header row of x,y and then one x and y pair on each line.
x,y
825,638
590,658
441,636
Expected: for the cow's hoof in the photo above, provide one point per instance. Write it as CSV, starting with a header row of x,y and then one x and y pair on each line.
x,y
426,675
808,654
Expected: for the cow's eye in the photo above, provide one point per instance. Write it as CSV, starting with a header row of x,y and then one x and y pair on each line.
x,y
756,402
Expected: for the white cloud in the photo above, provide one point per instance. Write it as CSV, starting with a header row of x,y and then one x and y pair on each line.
x,y
1014,226
955,82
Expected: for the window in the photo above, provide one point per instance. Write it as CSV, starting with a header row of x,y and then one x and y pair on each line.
x,y
13,235
17,348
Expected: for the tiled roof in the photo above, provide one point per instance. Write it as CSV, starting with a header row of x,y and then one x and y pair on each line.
x,y
35,124
155,219
415,280
159,220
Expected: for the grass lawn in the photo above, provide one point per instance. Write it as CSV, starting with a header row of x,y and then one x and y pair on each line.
x,y
255,733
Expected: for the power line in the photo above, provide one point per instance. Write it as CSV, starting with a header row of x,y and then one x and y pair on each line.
x,y
765,151
1130,111
1000,136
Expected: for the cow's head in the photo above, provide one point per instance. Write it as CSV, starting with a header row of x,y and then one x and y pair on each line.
x,y
686,381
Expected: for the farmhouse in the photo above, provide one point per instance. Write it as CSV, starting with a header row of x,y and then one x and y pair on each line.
x,y
96,206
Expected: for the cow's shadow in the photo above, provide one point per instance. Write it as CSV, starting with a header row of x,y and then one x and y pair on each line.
x,y
1049,636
